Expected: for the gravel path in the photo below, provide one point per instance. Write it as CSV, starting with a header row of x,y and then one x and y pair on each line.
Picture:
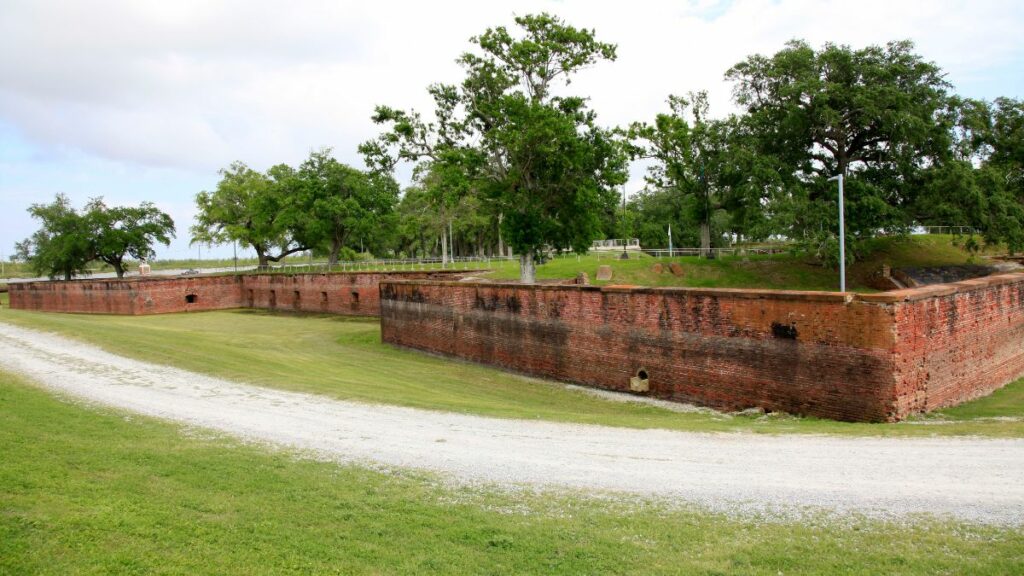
x,y
967,478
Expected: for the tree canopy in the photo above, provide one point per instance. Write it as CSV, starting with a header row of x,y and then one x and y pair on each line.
x,y
537,158
68,240
252,208
340,204
871,114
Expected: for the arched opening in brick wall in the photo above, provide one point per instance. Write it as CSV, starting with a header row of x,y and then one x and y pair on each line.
x,y
273,298
641,382
297,300
191,298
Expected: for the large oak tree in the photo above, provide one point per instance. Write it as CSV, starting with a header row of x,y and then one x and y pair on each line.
x,y
871,114
255,209
537,157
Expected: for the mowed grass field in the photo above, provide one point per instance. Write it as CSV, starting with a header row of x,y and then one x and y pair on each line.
x,y
343,358
94,491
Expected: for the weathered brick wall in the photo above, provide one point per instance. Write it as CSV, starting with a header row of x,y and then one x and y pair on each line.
x,y
351,293
824,354
956,341
153,295
354,293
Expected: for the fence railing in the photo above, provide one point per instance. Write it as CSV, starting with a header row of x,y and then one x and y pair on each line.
x,y
954,230
392,264
616,243
715,252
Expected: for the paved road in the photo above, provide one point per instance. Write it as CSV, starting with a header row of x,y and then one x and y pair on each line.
x,y
966,478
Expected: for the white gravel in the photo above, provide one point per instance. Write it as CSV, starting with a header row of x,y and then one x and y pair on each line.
x,y
973,479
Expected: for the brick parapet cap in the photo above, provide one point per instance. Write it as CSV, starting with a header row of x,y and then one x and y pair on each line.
x,y
159,278
895,296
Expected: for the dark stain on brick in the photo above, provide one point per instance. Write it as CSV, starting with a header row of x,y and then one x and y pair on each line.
x,y
512,304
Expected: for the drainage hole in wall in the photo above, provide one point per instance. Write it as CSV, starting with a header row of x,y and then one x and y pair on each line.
x,y
191,298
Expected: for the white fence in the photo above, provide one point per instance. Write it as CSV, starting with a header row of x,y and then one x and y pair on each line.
x,y
616,244
733,251
393,265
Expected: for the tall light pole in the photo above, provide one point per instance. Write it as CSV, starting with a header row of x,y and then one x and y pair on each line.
x,y
625,255
842,235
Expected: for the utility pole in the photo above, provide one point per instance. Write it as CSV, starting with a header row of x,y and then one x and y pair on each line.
x,y
669,239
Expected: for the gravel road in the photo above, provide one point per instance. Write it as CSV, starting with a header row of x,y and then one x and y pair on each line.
x,y
973,479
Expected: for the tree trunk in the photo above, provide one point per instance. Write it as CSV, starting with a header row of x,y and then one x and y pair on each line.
x,y
501,242
705,239
264,260
527,268
332,258
118,268
444,247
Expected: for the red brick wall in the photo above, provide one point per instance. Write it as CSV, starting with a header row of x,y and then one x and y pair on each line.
x,y
129,296
824,354
956,341
351,293
332,293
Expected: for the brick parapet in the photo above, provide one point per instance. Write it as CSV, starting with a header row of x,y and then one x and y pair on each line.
x,y
836,355
351,293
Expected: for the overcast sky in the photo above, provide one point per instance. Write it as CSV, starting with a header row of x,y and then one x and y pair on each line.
x,y
138,100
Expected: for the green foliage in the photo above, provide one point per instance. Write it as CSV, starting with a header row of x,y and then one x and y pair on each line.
x,y
545,169
63,245
69,240
872,114
981,184
703,174
127,231
254,209
341,207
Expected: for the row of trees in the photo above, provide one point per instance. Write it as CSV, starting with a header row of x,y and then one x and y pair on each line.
x,y
509,160
69,240
912,152
322,205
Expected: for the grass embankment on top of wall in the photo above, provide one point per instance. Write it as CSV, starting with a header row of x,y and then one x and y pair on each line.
x,y
343,358
777,271
100,491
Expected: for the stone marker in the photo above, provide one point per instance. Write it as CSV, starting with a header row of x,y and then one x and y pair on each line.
x,y
582,279
676,268
657,268
604,272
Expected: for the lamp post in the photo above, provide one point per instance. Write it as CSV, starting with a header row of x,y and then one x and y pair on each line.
x,y
625,255
842,235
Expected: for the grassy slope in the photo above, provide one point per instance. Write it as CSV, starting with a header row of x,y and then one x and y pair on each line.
x,y
779,271
344,358
95,491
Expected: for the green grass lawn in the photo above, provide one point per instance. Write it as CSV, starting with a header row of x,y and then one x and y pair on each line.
x,y
95,491
343,358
